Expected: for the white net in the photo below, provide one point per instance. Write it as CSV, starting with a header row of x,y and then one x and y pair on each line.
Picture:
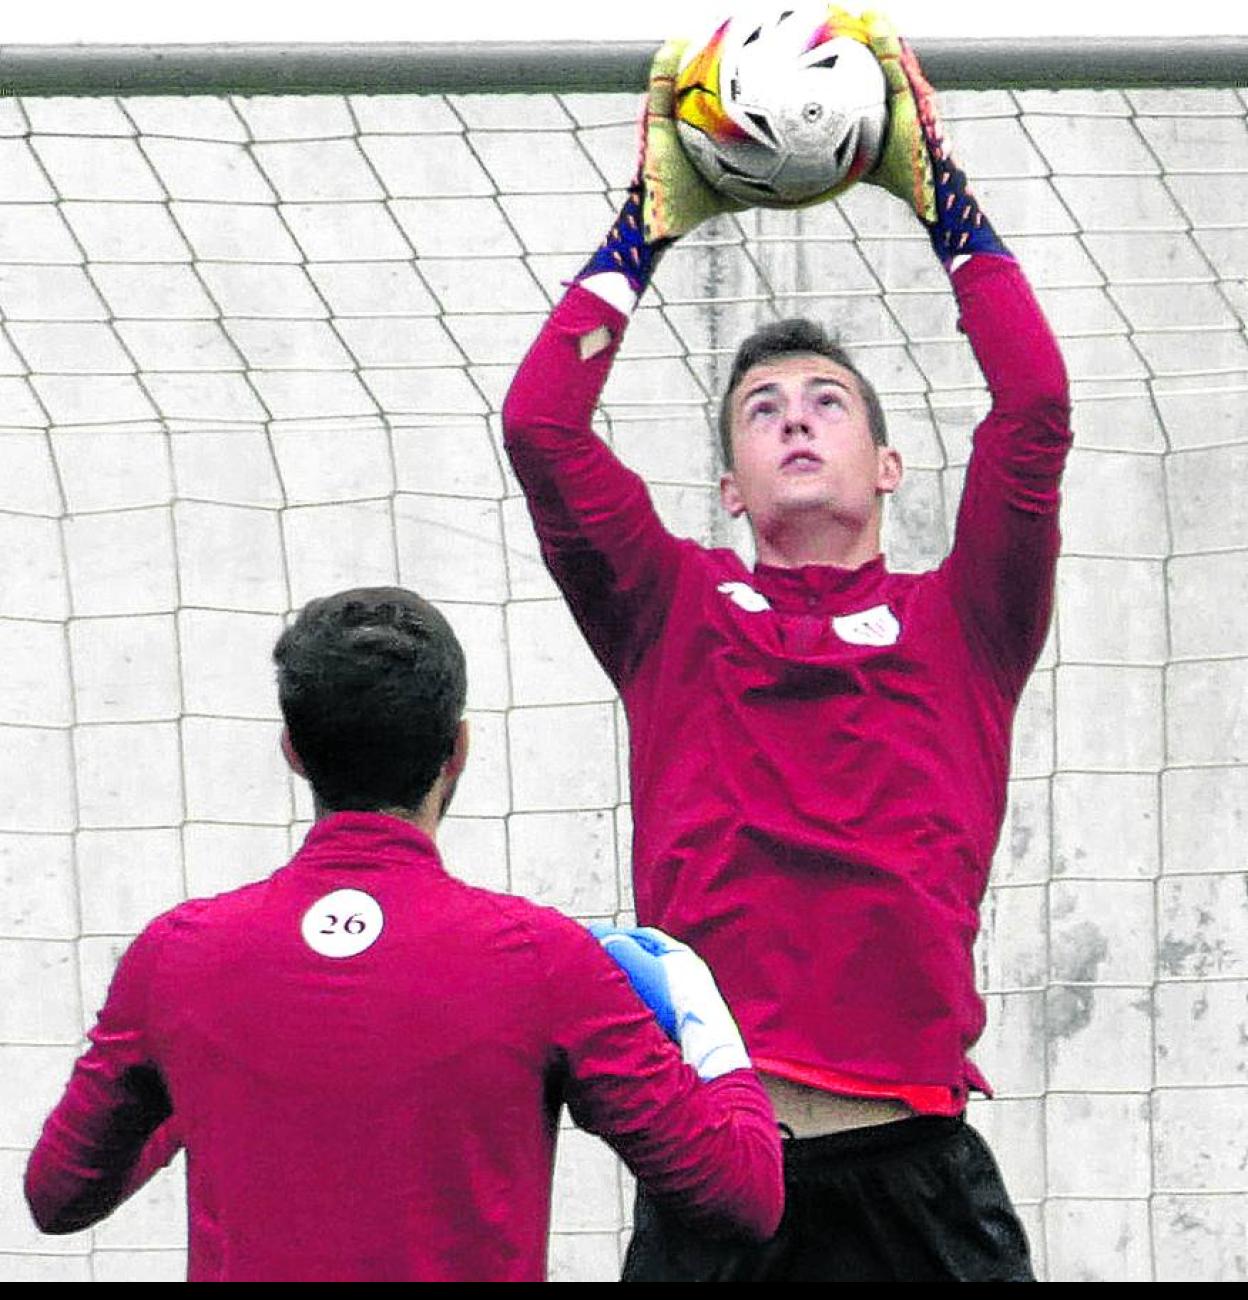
x,y
253,350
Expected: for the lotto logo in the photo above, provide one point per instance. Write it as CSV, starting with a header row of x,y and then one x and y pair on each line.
x,y
745,596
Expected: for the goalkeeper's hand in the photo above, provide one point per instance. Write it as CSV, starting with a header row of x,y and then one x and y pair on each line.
x,y
677,985
916,164
676,198
667,197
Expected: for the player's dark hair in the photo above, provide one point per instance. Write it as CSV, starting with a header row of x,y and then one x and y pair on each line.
x,y
372,684
785,338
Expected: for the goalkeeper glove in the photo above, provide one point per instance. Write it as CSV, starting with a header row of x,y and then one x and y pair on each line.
x,y
667,197
916,164
677,985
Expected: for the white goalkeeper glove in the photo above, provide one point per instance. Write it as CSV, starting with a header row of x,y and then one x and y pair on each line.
x,y
677,985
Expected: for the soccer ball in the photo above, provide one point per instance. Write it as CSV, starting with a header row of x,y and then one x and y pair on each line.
x,y
778,109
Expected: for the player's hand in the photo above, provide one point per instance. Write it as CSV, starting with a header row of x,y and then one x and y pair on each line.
x,y
677,985
916,164
913,138
676,198
666,198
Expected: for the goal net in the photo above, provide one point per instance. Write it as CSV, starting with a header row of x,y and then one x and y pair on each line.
x,y
253,349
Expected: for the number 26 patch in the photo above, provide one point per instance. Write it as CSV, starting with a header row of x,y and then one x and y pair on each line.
x,y
342,924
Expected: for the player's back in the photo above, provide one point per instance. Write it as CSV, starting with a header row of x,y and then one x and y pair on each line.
x,y
382,1113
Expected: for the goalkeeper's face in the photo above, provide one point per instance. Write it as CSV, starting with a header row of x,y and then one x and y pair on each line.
x,y
802,445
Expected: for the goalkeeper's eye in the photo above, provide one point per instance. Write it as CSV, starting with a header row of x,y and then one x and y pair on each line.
x,y
762,410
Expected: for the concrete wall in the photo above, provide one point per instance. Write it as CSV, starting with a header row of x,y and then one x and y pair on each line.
x,y
254,351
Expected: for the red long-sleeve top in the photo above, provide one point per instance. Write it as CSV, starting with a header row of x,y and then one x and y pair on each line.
x,y
819,756
389,1115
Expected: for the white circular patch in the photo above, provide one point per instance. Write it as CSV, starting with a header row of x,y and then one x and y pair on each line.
x,y
342,924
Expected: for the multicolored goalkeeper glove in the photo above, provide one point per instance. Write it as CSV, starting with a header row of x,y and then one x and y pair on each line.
x,y
667,197
677,985
916,164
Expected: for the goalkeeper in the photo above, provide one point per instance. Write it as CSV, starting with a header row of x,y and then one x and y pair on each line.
x,y
364,1057
819,746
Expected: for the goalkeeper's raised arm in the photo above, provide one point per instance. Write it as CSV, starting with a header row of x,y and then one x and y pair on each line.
x,y
600,535
1005,552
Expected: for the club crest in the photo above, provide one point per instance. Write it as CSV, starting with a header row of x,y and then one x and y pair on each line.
x,y
875,626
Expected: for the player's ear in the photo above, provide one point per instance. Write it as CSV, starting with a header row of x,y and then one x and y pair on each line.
x,y
290,754
730,494
449,776
889,470
459,752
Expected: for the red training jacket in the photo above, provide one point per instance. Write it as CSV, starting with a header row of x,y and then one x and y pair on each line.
x,y
388,1115
818,755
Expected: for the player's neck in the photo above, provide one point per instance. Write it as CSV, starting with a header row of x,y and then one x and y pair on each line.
x,y
426,818
802,540
423,818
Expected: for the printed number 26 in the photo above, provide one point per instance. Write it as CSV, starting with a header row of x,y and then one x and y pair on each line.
x,y
354,924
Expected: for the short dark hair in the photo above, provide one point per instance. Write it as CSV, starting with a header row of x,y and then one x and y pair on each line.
x,y
791,337
372,684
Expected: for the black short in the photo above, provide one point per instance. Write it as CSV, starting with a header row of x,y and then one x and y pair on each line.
x,y
920,1200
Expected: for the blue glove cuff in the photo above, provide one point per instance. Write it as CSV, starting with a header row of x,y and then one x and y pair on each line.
x,y
625,250
960,228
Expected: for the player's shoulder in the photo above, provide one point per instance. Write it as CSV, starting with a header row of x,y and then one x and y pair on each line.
x,y
545,931
926,595
206,911
719,561
514,909
911,581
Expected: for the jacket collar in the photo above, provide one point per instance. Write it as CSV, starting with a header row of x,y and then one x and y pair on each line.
x,y
794,589
344,839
